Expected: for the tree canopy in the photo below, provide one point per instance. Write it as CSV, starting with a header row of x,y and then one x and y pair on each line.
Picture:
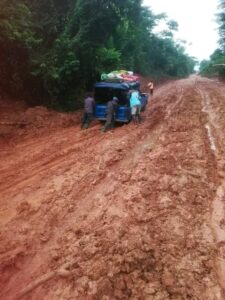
x,y
216,63
57,49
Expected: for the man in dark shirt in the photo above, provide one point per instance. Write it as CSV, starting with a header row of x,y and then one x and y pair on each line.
x,y
112,107
89,109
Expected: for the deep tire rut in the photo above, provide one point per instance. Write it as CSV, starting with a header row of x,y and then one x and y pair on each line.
x,y
137,213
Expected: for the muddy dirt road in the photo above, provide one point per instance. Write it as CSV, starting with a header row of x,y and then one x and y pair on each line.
x,y
137,213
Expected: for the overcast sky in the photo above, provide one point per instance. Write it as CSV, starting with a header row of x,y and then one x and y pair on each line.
x,y
197,25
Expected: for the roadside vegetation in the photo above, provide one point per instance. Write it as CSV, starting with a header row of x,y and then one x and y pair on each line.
x,y
215,66
52,51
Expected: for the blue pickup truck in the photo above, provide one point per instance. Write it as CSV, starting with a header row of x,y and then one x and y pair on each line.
x,y
105,91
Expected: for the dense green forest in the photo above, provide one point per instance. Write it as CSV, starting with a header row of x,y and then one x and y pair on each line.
x,y
52,51
216,64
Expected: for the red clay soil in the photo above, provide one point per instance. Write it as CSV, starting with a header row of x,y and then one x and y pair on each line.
x,y
135,213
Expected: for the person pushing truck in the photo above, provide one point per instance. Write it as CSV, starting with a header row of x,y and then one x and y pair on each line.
x,y
111,109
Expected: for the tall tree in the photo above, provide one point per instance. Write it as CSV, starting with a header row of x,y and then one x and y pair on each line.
x,y
216,64
57,49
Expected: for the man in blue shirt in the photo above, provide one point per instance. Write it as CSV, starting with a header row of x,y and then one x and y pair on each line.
x,y
135,105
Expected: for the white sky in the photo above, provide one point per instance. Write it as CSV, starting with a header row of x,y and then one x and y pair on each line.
x,y
197,24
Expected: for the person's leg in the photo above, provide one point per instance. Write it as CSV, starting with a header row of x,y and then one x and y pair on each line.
x,y
139,113
133,114
108,122
84,120
113,121
89,120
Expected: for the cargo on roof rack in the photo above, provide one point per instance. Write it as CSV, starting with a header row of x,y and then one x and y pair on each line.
x,y
120,76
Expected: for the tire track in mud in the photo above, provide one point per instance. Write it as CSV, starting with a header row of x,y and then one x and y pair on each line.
x,y
218,205
57,142
75,194
58,152
134,136
137,226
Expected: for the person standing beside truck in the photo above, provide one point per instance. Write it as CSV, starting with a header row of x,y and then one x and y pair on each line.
x,y
111,109
135,105
150,85
89,109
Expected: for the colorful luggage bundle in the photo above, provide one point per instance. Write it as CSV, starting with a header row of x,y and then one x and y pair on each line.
x,y
119,76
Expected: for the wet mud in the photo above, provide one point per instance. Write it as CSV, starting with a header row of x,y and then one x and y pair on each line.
x,y
135,213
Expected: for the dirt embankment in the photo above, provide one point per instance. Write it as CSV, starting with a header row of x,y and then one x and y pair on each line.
x,y
137,213
17,121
